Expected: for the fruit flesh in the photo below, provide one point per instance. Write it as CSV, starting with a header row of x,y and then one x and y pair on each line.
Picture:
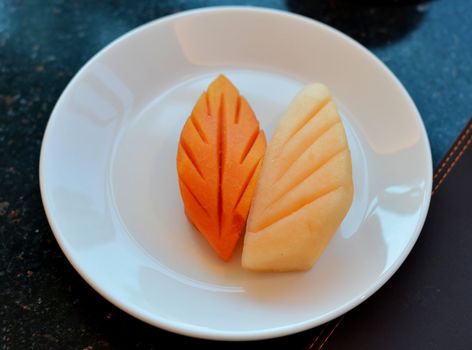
x,y
304,189
218,160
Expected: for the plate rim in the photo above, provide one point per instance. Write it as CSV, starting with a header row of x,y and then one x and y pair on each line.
x,y
188,329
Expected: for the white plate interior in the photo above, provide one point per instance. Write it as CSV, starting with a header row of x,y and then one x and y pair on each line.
x,y
109,186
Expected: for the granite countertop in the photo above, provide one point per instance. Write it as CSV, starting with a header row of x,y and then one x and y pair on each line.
x,y
43,301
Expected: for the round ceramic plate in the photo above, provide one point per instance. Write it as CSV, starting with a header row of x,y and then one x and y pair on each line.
x,y
109,182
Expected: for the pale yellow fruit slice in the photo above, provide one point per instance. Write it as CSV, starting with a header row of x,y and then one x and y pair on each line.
x,y
304,189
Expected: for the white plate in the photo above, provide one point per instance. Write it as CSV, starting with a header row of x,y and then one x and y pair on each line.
x,y
108,176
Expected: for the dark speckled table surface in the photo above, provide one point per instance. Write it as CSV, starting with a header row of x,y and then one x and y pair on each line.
x,y
44,304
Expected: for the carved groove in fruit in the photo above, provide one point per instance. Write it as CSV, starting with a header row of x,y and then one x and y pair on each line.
x,y
191,157
238,110
247,181
309,117
290,211
296,156
248,147
198,128
221,148
300,181
193,195
207,105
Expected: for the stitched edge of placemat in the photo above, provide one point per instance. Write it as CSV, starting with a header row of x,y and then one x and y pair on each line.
x,y
451,158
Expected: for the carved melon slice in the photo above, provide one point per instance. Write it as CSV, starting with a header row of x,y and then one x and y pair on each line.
x,y
304,189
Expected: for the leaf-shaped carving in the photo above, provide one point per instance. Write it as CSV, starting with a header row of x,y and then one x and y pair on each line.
x,y
219,155
304,189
